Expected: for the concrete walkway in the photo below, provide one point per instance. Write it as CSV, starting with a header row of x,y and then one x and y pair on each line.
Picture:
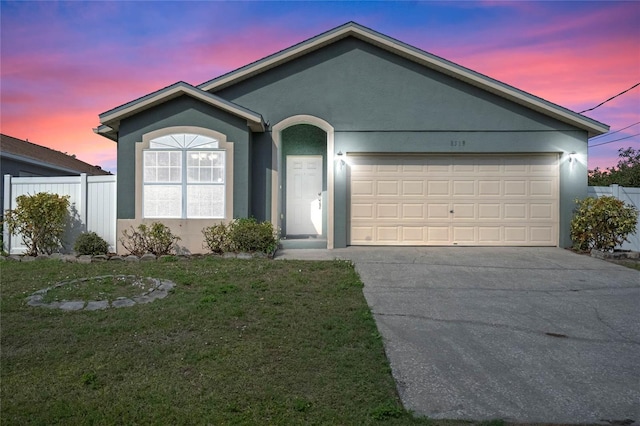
x,y
520,334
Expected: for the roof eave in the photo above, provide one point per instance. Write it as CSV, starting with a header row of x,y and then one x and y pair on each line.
x,y
110,120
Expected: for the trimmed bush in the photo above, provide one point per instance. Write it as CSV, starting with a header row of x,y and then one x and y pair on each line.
x,y
241,235
40,220
90,243
602,223
156,238
216,238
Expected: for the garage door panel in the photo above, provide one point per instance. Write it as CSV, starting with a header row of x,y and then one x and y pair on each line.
x,y
490,234
515,188
464,211
413,234
437,211
489,211
413,211
387,234
438,234
413,187
541,188
515,234
515,211
361,188
387,211
361,234
542,234
387,187
362,211
464,234
464,188
464,200
489,188
437,187
541,211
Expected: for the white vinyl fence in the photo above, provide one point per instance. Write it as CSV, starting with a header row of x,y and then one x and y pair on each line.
x,y
631,196
92,205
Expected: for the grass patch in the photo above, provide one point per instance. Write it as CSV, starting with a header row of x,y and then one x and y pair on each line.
x,y
238,342
629,263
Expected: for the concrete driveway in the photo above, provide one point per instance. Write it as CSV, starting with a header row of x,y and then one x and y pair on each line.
x,y
519,334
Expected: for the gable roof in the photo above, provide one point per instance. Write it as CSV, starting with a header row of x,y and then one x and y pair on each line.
x,y
25,151
352,29
110,120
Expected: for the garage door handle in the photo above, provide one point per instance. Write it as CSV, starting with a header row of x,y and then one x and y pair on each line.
x,y
450,211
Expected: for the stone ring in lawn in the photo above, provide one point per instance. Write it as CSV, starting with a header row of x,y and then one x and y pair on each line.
x,y
151,289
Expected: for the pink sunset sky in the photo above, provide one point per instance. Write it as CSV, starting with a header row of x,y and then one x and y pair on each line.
x,y
63,63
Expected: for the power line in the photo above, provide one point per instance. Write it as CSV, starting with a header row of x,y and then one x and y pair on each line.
x,y
615,140
611,98
611,133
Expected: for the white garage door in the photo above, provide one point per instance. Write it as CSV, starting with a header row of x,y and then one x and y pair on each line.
x,y
454,200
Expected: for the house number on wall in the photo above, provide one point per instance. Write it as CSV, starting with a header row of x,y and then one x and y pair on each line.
x,y
458,143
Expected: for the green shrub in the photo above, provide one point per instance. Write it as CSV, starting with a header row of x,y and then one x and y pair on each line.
x,y
247,235
602,223
155,238
90,243
216,238
40,220
241,235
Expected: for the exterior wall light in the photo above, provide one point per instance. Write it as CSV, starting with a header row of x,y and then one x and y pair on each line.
x,y
572,156
339,156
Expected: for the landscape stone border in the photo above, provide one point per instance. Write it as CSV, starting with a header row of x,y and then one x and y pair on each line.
x,y
159,290
71,258
615,255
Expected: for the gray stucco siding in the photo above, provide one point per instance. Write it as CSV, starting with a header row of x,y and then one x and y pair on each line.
x,y
183,111
356,86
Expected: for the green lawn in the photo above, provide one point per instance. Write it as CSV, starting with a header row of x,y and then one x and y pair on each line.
x,y
237,342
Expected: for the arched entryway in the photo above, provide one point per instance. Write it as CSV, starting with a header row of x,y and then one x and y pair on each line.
x,y
302,143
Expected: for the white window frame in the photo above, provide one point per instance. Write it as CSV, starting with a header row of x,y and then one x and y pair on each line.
x,y
184,145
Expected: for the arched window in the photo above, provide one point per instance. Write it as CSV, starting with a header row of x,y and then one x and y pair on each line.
x,y
184,177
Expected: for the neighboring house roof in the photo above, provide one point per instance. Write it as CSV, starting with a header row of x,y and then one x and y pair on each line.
x,y
110,120
25,151
416,55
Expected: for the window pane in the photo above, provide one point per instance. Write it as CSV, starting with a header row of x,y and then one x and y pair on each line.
x,y
176,158
175,174
205,201
163,158
162,201
150,174
205,175
217,158
163,174
217,175
150,158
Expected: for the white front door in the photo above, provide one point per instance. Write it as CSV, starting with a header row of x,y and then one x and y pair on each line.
x,y
304,195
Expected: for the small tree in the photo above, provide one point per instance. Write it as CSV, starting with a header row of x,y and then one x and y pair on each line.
x,y
602,223
626,172
40,220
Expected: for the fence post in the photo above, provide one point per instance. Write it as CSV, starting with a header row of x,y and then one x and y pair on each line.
x,y
6,236
615,190
84,207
